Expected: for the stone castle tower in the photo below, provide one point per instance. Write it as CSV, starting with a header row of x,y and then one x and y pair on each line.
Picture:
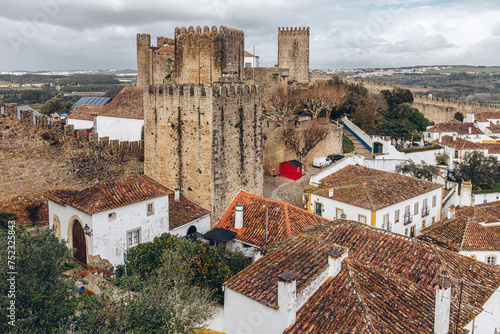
x,y
293,53
202,126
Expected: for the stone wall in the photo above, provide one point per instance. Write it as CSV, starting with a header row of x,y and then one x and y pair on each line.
x,y
276,152
34,159
293,53
268,78
206,139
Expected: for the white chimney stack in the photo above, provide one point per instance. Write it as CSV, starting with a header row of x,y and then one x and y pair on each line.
x,y
443,304
454,136
451,212
330,193
177,194
470,129
287,294
238,216
335,258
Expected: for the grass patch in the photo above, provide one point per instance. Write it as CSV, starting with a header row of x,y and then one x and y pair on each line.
x,y
495,189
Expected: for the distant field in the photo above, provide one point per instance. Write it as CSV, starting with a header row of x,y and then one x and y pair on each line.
x,y
461,69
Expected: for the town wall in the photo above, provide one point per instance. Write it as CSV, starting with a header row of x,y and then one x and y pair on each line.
x,y
41,157
268,78
293,53
206,139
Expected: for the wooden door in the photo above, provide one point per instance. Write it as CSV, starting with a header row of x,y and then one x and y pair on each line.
x,y
79,243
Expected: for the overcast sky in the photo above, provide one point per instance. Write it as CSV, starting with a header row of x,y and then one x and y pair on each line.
x,y
101,34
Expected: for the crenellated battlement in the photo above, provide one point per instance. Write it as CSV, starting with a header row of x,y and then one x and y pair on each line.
x,y
293,30
203,91
455,103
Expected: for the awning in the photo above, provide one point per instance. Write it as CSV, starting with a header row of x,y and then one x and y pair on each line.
x,y
220,235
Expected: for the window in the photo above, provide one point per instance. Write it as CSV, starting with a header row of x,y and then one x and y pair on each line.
x,y
415,211
456,154
434,201
406,231
386,226
396,216
491,259
339,213
433,220
423,223
112,216
362,219
298,169
425,208
133,238
319,209
151,208
412,231
248,64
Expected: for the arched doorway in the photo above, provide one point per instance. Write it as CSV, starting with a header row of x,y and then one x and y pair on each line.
x,y
191,229
79,243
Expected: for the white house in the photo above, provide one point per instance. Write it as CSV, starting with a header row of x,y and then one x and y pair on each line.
x,y
252,222
106,220
250,60
464,130
123,117
83,117
456,148
393,202
347,277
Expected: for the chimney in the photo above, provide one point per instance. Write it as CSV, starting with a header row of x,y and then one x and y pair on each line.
x,y
177,194
443,303
470,130
454,136
287,294
451,212
335,258
238,215
330,193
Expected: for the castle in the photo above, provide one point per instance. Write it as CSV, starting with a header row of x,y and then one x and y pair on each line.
x,y
202,124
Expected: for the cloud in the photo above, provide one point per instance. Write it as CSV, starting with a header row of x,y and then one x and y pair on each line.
x,y
96,34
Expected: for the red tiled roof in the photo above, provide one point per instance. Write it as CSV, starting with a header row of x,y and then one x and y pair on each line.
x,y
126,104
462,144
495,229
183,212
386,284
248,54
487,115
458,127
284,220
166,50
462,234
494,128
86,111
372,189
304,256
108,195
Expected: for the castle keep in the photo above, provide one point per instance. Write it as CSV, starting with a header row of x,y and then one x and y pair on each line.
x,y
202,126
293,53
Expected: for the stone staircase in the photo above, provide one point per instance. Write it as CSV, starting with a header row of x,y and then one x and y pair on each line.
x,y
359,147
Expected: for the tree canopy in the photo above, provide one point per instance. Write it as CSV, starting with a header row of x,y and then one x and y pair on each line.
x,y
420,171
481,170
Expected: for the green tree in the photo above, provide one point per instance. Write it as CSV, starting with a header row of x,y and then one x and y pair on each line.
x,y
397,96
481,170
397,129
459,116
4,219
418,121
420,171
54,105
44,297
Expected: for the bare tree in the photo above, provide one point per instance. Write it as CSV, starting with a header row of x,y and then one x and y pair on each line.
x,y
317,98
303,139
283,101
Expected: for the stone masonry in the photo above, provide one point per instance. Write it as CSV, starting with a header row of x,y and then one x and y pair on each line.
x,y
293,53
203,128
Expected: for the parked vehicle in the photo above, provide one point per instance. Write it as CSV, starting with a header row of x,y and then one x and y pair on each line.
x,y
335,157
321,162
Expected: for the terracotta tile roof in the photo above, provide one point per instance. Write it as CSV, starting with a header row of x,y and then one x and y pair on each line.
x,y
495,228
183,212
284,220
462,144
386,284
482,213
494,128
107,195
126,104
166,50
458,127
365,299
304,256
86,111
487,115
461,234
414,260
372,189
248,54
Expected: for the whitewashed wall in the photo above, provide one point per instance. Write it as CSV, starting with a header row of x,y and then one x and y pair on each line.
x,y
123,129
481,256
488,321
202,226
330,206
80,124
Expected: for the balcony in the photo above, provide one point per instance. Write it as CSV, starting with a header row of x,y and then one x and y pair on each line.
x,y
425,211
408,220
